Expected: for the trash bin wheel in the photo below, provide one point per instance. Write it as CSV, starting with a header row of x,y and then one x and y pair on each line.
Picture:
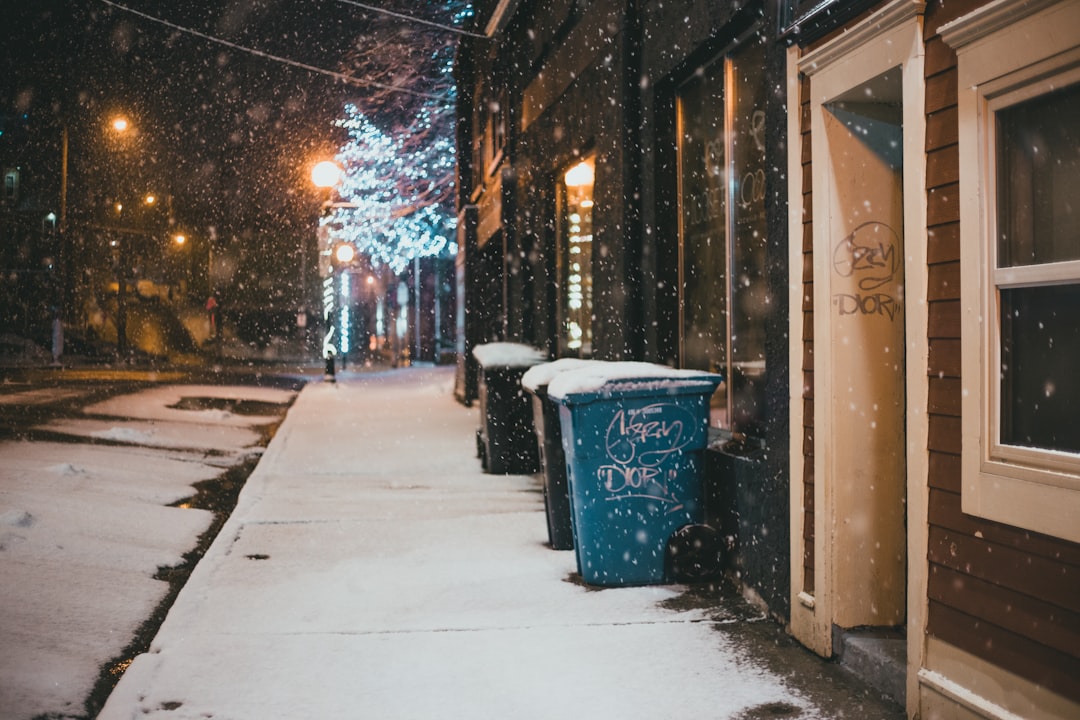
x,y
694,554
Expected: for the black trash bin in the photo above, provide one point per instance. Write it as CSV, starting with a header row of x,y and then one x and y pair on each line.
x,y
634,435
549,445
506,439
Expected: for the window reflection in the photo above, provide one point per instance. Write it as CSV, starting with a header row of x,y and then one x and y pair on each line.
x,y
722,239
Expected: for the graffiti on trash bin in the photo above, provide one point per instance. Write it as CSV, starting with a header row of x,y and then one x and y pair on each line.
x,y
638,442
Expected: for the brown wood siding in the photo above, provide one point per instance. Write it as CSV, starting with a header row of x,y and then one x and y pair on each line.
x,y
1001,593
808,338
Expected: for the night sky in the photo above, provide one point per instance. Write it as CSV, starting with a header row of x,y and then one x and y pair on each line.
x,y
231,136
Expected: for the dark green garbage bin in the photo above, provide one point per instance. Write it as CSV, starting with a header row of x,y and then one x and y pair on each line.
x,y
549,445
506,440
634,435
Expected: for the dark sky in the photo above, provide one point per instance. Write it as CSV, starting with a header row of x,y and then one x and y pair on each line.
x,y
229,134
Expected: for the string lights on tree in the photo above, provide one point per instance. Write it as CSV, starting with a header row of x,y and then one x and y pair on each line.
x,y
398,161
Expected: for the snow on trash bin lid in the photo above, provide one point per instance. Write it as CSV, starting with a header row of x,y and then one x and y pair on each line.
x,y
593,377
539,376
505,354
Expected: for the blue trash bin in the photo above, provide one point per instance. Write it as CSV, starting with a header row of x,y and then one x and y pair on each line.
x,y
633,435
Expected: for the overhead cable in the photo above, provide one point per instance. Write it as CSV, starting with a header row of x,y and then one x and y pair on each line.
x,y
410,18
343,77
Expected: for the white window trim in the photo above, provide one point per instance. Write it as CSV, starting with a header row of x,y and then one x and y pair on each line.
x,y
1007,51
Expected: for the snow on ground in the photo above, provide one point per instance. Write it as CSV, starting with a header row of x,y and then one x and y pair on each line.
x,y
196,436
372,570
157,403
160,417
83,530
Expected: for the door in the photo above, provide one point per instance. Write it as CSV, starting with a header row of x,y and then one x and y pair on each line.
x,y
864,470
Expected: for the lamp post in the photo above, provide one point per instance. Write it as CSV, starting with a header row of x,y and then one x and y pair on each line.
x,y
120,126
187,262
327,174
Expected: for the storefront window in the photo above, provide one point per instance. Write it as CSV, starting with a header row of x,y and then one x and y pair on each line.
x,y
723,298
703,172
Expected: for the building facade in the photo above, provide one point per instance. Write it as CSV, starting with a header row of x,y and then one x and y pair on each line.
x,y
798,195
932,501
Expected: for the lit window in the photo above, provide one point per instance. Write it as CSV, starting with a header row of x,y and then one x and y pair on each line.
x,y
576,275
11,186
1020,259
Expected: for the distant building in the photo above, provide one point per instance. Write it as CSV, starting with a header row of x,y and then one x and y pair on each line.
x,y
30,211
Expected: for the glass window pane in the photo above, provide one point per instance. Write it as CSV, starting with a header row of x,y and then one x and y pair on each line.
x,y
1040,381
1038,170
749,292
703,203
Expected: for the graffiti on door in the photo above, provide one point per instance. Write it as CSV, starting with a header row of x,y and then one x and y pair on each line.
x,y
870,256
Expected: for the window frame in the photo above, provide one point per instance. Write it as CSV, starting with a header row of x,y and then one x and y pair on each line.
x,y
999,67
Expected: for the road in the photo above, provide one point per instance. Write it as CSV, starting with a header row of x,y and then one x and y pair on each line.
x,y
113,482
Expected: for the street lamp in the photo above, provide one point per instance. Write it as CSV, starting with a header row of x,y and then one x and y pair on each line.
x,y
184,258
344,254
325,174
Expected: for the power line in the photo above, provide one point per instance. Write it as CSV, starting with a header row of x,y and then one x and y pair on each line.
x,y
410,18
277,58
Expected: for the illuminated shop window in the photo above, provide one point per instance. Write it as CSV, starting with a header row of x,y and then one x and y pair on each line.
x,y
575,276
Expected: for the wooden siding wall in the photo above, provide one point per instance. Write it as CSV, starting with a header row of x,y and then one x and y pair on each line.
x,y
1003,594
808,337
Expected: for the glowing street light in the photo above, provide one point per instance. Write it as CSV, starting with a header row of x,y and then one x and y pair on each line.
x,y
344,253
325,174
120,124
179,239
581,175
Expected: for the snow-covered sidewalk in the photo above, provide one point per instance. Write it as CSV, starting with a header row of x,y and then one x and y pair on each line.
x,y
371,570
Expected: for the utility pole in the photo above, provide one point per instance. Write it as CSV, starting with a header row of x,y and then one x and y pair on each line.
x,y
121,299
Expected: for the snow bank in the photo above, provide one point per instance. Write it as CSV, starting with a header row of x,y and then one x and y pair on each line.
x,y
593,376
504,354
